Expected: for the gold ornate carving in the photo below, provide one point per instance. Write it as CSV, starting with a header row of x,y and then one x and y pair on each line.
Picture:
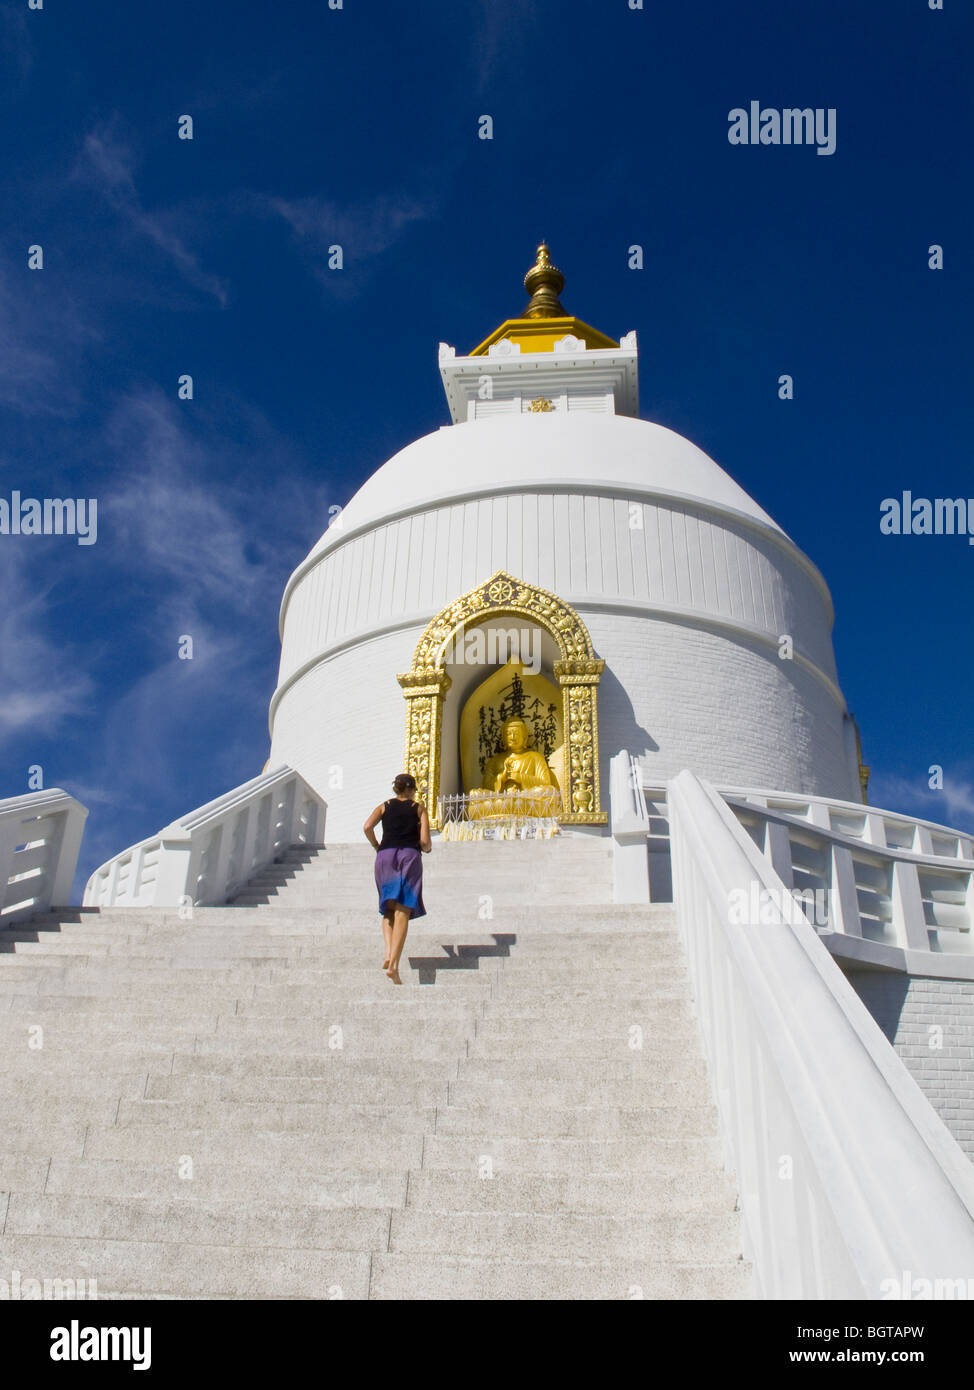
x,y
578,672
541,405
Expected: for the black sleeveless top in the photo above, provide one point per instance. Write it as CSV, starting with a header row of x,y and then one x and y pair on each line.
x,y
400,825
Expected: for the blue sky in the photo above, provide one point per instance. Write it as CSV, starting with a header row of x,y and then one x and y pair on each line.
x,y
359,126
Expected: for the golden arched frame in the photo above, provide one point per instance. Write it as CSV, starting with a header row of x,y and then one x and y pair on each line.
x,y
578,672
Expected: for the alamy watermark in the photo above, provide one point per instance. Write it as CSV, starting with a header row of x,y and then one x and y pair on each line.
x,y
497,644
50,516
755,906
792,125
910,1287
18,1289
920,516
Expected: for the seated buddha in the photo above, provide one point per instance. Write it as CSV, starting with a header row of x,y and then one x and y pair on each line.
x,y
518,767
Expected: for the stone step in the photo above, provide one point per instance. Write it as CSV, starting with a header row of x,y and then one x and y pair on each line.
x,y
240,1104
668,1028
34,1087
501,1046
545,1236
329,1117
576,1156
356,1045
626,1065
281,1003
520,1119
548,1006
407,1277
116,1061
306,1148
198,1221
147,1269
649,1194
59,1110
566,1093
321,1063
380,1087
453,971
230,1181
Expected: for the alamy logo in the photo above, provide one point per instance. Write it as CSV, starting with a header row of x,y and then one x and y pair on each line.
x,y
755,906
77,1343
919,516
793,125
497,645
50,516
17,1288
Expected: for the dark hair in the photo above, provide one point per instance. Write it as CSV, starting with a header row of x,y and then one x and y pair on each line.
x,y
405,782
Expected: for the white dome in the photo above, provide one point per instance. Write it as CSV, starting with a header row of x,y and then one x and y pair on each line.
x,y
511,453
685,584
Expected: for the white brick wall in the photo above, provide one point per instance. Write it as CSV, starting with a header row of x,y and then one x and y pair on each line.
x,y
917,1013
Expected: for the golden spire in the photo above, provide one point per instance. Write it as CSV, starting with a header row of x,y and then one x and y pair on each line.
x,y
544,282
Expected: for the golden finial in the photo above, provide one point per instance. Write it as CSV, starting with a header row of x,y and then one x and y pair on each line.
x,y
544,282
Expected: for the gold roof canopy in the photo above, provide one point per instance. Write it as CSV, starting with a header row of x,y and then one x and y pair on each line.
x,y
544,321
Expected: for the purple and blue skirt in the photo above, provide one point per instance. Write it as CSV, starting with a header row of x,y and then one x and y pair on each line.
x,y
399,879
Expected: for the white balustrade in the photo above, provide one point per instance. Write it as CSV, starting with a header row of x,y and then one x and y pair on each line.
x,y
40,836
208,855
850,1185
898,892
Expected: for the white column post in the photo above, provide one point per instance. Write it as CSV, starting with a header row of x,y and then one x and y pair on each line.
x,y
844,906
777,848
908,920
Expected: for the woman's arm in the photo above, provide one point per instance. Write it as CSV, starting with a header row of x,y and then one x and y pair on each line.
x,y
370,824
425,843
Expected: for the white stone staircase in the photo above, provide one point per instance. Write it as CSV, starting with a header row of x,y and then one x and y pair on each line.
x,y
243,1106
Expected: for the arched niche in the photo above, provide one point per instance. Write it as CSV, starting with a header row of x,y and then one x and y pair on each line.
x,y
576,669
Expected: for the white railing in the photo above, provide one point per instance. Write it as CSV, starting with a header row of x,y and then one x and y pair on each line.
x,y
40,836
515,815
208,855
890,890
850,1185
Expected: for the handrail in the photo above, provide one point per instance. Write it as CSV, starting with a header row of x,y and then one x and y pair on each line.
x,y
850,1185
890,890
208,855
40,836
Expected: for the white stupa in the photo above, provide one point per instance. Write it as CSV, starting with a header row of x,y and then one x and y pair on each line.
x,y
708,1028
548,506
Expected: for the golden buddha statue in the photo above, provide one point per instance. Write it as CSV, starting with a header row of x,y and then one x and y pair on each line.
x,y
518,767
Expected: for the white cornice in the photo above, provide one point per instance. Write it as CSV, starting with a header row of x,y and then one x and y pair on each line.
x,y
602,369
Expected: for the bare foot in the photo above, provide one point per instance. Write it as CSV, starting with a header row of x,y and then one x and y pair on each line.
x,y
393,975
385,964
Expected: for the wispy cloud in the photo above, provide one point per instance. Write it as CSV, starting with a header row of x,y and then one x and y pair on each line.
x,y
211,555
108,162
503,35
363,230
43,680
43,336
952,805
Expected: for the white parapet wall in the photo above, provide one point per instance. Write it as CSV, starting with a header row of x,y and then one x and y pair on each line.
x,y
40,836
850,1185
208,855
